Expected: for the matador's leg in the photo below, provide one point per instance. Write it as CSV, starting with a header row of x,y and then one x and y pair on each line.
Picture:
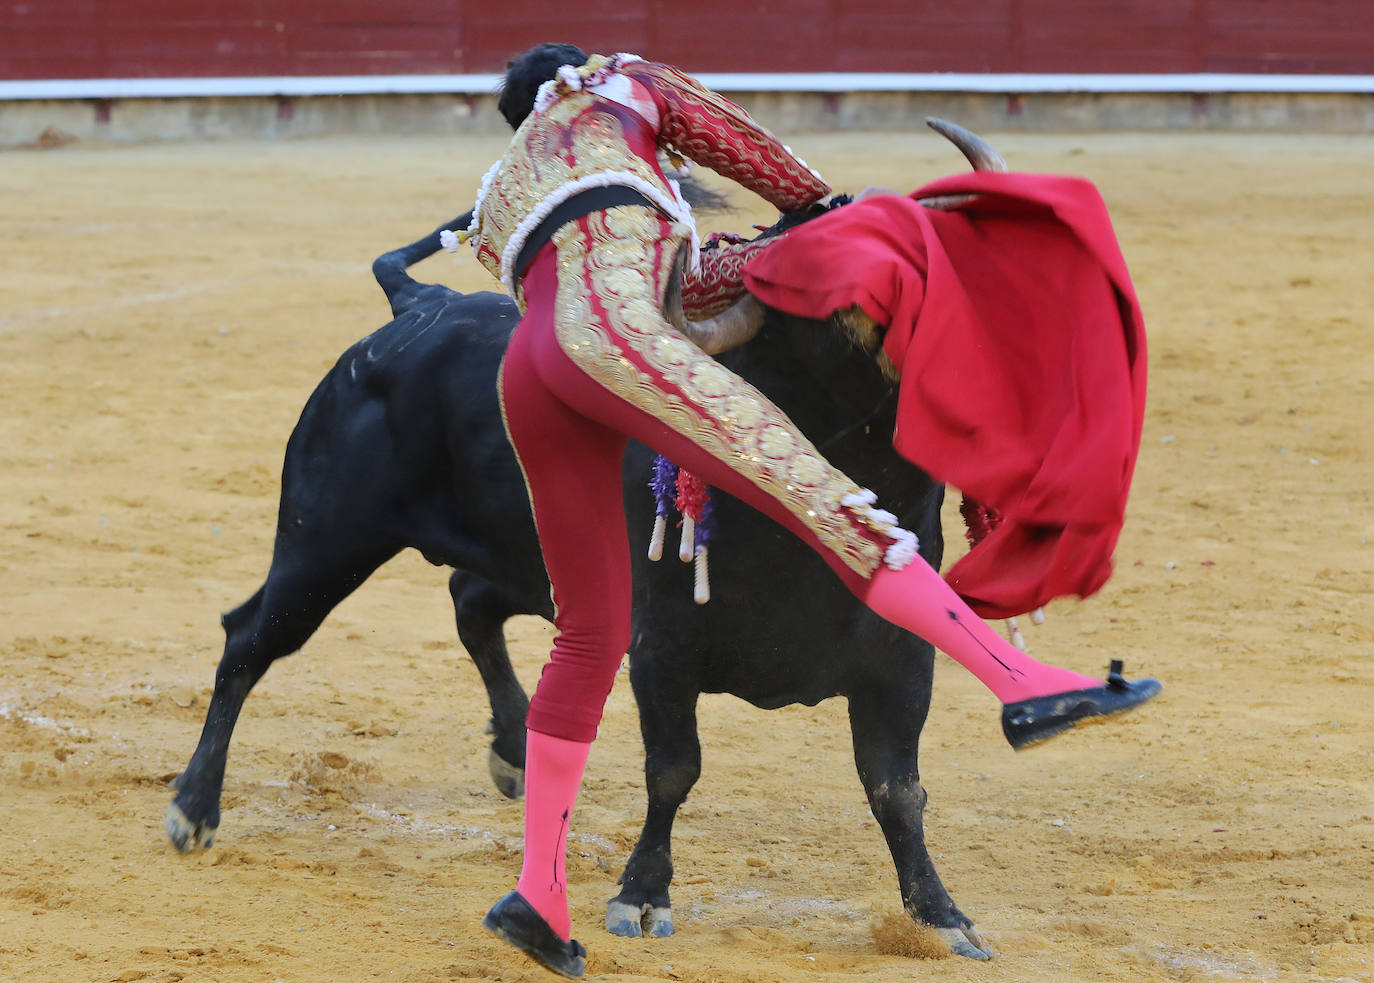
x,y
631,370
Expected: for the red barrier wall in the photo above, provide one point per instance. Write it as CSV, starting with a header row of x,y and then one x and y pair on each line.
x,y
176,38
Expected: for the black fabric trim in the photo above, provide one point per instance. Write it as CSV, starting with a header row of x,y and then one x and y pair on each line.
x,y
582,203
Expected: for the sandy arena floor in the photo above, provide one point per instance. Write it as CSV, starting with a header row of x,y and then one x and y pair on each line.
x,y
167,309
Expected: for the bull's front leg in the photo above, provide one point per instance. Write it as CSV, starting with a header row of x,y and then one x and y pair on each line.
x,y
193,816
672,765
886,721
313,569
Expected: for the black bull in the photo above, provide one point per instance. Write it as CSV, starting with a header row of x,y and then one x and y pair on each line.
x,y
402,445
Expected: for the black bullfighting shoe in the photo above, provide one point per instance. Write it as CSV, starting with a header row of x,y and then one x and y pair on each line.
x,y
1029,722
515,920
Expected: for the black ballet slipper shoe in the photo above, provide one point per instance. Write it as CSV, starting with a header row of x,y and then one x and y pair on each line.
x,y
515,920
1029,722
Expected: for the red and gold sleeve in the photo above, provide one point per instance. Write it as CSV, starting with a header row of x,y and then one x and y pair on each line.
x,y
714,132
719,279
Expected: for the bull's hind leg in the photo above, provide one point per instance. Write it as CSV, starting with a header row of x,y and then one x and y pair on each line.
x,y
481,612
672,764
886,721
297,596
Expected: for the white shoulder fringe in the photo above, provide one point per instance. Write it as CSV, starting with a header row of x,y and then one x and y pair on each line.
x,y
571,78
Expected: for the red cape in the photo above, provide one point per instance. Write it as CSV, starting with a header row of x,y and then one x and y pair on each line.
x,y
1021,348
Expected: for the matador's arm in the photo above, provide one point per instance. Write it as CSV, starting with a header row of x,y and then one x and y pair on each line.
x,y
712,131
718,281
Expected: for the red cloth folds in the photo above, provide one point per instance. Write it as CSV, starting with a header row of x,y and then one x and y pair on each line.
x,y
1021,347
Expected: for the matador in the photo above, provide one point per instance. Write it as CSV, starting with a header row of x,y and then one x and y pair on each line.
x,y
589,235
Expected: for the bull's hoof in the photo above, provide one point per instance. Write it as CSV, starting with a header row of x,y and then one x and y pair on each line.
x,y
967,942
514,920
510,780
185,834
633,922
1030,722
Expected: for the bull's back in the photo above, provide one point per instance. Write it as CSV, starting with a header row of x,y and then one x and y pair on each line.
x,y
404,433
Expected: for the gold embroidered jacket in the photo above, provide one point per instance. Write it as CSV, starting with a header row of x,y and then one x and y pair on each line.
x,y
603,124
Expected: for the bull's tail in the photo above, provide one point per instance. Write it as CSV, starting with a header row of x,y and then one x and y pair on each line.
x,y
390,268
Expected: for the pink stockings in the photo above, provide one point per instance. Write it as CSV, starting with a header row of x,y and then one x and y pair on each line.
x,y
553,773
918,599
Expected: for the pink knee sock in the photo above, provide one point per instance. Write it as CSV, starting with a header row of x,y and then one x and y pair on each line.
x,y
553,774
917,598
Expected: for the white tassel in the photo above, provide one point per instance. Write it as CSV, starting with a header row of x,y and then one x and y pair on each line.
x,y
701,585
482,191
546,96
656,540
569,76
905,548
1014,632
864,496
686,547
1038,616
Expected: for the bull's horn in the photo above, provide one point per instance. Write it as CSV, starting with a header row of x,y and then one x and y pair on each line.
x,y
975,149
978,152
731,328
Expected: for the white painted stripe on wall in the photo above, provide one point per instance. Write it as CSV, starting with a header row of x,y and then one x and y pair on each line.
x,y
286,85
1025,82
334,85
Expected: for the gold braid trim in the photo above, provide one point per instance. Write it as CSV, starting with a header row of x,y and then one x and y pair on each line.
x,y
579,138
624,262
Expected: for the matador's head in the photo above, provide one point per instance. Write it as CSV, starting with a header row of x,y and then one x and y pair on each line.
x,y
527,72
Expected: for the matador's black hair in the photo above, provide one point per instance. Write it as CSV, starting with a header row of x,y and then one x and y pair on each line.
x,y
526,73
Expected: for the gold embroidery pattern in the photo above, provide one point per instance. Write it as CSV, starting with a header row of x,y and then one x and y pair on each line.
x,y
709,405
719,281
579,136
